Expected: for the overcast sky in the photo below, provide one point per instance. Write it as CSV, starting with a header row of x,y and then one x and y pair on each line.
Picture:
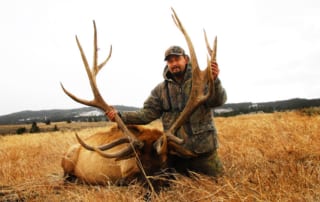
x,y
267,49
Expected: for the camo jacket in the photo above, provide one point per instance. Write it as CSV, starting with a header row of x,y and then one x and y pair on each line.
x,y
168,99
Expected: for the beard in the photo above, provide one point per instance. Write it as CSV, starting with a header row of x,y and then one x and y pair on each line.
x,y
178,72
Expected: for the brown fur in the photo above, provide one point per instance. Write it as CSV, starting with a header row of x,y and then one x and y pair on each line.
x,y
90,167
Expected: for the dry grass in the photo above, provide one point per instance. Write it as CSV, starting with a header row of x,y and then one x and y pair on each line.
x,y
61,126
267,157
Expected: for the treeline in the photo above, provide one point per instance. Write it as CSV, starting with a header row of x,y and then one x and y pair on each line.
x,y
265,107
34,128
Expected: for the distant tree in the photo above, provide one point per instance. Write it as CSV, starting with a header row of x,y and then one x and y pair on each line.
x,y
55,128
21,130
34,128
47,122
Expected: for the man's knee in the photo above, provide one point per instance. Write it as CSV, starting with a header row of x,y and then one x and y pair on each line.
x,y
211,165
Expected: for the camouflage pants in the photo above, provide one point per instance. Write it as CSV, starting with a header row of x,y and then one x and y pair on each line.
x,y
209,164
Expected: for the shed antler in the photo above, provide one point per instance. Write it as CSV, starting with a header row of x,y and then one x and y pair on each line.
x,y
202,86
98,101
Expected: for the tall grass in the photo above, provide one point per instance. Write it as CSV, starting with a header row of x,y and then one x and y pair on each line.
x,y
267,157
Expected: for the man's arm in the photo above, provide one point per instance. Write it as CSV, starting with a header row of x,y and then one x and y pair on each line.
x,y
151,110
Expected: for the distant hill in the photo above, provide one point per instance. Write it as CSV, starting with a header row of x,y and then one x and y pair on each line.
x,y
93,114
55,115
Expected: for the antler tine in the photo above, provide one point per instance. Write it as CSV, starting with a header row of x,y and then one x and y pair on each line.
x,y
82,101
213,58
100,149
96,68
207,42
193,57
104,62
212,52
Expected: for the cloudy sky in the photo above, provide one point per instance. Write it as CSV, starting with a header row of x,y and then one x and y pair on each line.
x,y
267,49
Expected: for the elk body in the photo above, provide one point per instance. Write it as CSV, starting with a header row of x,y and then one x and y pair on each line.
x,y
124,152
93,168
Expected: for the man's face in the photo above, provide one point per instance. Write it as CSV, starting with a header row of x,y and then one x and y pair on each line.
x,y
177,64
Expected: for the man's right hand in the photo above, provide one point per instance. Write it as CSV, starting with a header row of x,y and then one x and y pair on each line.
x,y
111,114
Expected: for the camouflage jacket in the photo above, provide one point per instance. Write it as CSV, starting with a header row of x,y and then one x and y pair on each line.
x,y
168,99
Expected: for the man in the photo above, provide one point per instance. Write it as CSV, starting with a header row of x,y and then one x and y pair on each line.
x,y
168,99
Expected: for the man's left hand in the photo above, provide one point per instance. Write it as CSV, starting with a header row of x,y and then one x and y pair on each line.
x,y
215,70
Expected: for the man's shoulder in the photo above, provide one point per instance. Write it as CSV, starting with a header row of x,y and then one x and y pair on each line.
x,y
160,86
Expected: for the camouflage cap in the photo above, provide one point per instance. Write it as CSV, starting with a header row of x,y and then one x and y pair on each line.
x,y
173,50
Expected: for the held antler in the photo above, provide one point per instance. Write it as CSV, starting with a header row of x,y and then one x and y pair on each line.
x,y
202,89
200,79
99,102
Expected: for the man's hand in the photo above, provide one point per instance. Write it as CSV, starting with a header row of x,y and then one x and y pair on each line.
x,y
215,70
111,114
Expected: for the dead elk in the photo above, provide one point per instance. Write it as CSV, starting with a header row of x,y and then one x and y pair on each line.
x,y
119,164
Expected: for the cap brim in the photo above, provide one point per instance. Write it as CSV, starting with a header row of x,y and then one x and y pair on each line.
x,y
177,54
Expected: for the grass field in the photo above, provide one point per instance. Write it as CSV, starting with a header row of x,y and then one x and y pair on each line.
x,y
267,157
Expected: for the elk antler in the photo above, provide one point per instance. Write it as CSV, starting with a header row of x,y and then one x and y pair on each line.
x,y
202,87
125,152
200,79
98,101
